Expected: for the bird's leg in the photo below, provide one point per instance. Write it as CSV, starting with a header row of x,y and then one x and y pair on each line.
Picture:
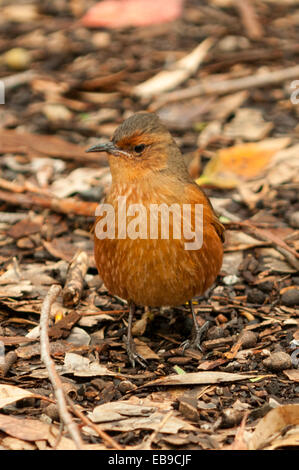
x,y
132,354
197,332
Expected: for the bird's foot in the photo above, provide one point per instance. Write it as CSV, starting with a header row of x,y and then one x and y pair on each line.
x,y
195,341
132,354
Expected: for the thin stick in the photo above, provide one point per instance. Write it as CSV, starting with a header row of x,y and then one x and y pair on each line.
x,y
249,18
75,277
228,86
9,360
105,312
53,376
18,79
180,71
63,206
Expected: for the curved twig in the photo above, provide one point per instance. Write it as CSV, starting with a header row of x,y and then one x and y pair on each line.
x,y
53,376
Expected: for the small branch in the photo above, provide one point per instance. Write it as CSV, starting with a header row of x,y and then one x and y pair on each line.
x,y
228,86
249,18
65,206
9,360
53,376
18,79
104,312
74,281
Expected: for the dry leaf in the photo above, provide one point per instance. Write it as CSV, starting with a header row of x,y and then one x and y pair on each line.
x,y
292,374
82,367
240,241
197,378
10,394
16,444
270,431
284,167
25,429
34,430
79,180
144,350
243,162
124,13
119,410
248,124
124,416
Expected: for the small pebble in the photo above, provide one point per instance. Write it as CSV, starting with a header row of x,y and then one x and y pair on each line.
x,y
126,386
266,286
25,243
188,408
17,58
248,339
216,332
290,297
231,417
278,361
256,296
294,219
231,279
52,412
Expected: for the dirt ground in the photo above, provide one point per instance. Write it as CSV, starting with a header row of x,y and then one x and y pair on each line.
x,y
234,113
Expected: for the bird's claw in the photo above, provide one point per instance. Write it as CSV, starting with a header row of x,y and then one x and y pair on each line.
x,y
132,354
190,344
195,341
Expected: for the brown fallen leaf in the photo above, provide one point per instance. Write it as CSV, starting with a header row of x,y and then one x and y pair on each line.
x,y
12,443
198,378
34,430
63,248
82,367
119,410
10,394
124,13
232,165
144,350
248,124
292,374
270,431
124,416
24,228
26,429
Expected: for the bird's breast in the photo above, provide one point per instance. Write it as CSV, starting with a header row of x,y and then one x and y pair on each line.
x,y
144,257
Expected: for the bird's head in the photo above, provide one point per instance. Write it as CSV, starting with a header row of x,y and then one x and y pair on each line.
x,y
139,146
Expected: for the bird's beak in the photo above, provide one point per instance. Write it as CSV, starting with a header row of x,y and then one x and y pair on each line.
x,y
108,147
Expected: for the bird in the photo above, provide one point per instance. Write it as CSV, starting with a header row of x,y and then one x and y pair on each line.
x,y
153,268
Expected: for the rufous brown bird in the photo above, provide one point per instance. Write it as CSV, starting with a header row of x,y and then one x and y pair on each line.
x,y
135,256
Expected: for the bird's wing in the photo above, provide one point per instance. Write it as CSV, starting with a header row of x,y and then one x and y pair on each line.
x,y
196,195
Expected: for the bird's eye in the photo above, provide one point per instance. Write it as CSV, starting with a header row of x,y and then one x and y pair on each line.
x,y
139,148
